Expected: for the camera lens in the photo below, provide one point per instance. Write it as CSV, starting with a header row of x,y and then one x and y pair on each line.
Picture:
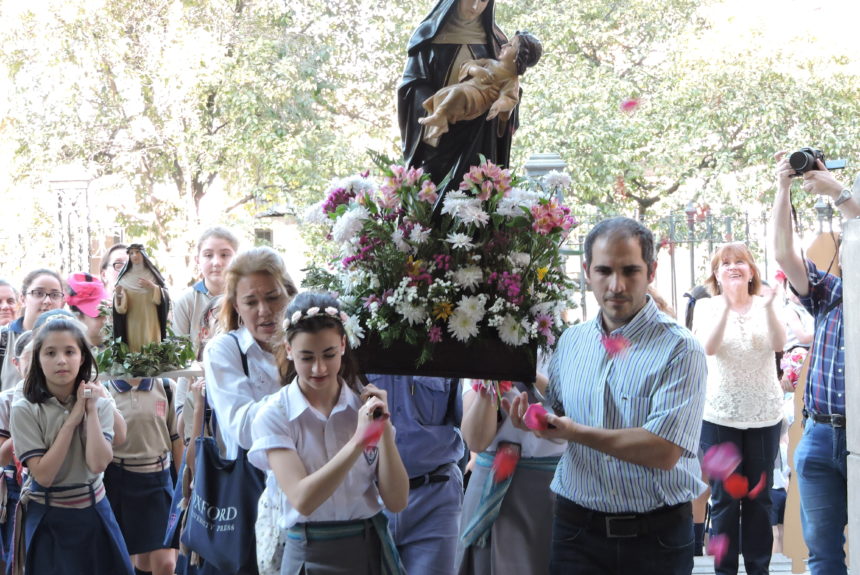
x,y
802,161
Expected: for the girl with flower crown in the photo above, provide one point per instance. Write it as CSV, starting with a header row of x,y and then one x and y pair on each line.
x,y
331,448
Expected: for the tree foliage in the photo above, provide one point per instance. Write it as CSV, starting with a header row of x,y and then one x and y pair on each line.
x,y
268,100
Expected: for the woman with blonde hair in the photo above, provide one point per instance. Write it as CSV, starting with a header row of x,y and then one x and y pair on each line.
x,y
240,367
741,330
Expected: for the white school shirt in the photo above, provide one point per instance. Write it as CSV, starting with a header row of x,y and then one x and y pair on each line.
x,y
289,422
233,396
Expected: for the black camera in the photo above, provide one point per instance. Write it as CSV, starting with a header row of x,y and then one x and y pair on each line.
x,y
804,160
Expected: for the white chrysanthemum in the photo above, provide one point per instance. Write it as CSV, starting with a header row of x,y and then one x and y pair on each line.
x,y
315,215
462,326
452,202
349,224
397,238
471,213
512,332
556,180
469,277
511,205
460,241
472,305
412,313
358,184
419,234
519,259
349,248
354,331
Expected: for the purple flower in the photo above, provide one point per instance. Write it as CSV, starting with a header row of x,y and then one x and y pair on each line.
x,y
434,334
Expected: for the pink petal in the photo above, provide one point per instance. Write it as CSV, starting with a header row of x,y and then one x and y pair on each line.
x,y
721,460
736,485
373,433
629,105
614,344
505,462
718,546
759,487
505,386
535,417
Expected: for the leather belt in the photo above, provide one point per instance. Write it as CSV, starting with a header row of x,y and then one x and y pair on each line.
x,y
434,476
833,419
615,525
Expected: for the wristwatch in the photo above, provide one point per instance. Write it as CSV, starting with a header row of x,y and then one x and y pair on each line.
x,y
843,197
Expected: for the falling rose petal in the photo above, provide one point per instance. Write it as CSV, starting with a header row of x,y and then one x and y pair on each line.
x,y
535,417
721,460
373,433
736,485
718,546
780,276
759,487
505,386
504,463
614,344
629,105
478,386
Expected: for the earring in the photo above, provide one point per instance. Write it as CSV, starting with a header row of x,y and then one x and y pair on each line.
x,y
290,357
241,321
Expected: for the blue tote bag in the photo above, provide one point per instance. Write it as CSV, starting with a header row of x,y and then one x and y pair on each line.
x,y
223,508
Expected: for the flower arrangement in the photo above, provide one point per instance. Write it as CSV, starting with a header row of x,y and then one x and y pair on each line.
x,y
480,262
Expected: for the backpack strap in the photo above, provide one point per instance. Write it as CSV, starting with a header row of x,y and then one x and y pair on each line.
x,y
834,304
168,390
241,353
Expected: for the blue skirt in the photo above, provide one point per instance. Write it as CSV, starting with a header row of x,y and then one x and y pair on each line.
x,y
63,541
141,504
7,529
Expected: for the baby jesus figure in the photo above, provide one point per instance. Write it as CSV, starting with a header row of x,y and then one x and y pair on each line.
x,y
485,86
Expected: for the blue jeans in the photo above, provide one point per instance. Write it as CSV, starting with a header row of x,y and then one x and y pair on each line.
x,y
758,447
821,466
578,550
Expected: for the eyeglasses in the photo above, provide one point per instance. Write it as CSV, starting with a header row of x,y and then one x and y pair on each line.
x,y
118,265
40,294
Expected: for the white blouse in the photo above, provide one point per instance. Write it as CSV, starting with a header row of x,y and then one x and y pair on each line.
x,y
290,422
235,397
743,390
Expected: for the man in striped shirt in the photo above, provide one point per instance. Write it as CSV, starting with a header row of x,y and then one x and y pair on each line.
x,y
820,459
629,391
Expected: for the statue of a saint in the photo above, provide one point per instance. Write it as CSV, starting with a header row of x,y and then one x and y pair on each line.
x,y
140,302
455,32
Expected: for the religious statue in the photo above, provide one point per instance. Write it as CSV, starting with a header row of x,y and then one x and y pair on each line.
x,y
140,302
455,32
485,86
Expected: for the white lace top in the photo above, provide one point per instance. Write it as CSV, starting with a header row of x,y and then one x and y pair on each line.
x,y
743,390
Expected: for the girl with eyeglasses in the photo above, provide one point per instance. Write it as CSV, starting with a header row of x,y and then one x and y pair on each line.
x,y
41,291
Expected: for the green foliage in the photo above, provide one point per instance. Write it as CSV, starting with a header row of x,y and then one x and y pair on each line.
x,y
172,353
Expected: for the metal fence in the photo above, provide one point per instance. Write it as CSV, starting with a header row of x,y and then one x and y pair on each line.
x,y
686,241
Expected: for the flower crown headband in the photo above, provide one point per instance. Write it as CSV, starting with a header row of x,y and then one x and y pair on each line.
x,y
329,311
300,315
